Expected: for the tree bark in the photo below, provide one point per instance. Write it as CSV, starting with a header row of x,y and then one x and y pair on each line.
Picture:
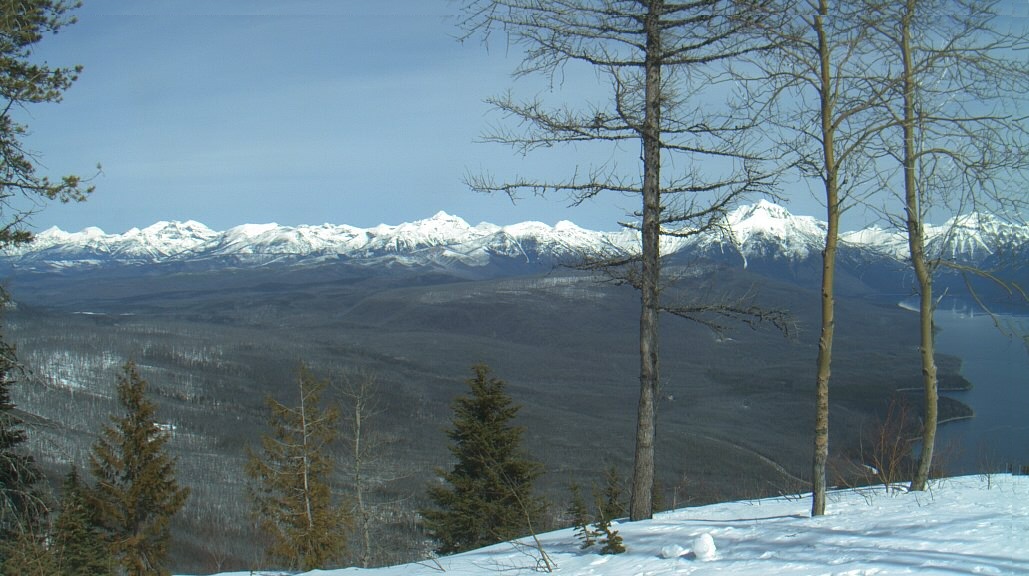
x,y
641,501
828,325
916,247
363,515
306,464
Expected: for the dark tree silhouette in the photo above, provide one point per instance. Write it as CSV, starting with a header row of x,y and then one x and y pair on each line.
x,y
487,496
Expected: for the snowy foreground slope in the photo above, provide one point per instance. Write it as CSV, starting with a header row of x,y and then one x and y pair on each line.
x,y
968,525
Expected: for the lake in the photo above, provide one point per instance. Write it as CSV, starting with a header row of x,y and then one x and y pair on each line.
x,y
997,365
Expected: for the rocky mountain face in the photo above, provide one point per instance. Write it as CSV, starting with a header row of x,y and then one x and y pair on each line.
x,y
763,237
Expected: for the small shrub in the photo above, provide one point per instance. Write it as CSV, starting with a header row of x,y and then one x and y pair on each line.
x,y
596,528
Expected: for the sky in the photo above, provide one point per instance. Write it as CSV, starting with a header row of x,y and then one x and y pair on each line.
x,y
301,112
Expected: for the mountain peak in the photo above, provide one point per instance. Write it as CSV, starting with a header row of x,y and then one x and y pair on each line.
x,y
444,219
441,215
92,232
191,225
765,228
440,221
767,205
763,213
760,230
252,229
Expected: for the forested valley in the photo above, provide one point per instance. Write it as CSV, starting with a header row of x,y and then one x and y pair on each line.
x,y
735,410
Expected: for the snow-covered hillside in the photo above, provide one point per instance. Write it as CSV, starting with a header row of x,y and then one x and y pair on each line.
x,y
968,525
760,231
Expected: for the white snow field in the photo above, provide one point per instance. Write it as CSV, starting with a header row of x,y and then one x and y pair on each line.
x,y
966,525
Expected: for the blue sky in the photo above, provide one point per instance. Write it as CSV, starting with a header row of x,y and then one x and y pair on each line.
x,y
297,112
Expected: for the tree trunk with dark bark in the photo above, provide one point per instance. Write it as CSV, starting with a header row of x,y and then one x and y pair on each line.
x,y
641,501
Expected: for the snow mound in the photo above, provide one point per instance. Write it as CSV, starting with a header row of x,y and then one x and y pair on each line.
x,y
672,551
704,547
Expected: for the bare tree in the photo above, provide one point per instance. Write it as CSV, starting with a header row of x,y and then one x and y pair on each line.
x,y
820,108
960,141
658,58
360,405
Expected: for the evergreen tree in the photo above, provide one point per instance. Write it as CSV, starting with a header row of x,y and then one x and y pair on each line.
x,y
77,543
611,500
27,554
487,496
136,493
290,489
610,505
23,509
581,518
26,79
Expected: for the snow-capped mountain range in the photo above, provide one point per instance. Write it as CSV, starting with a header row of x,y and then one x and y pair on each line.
x,y
762,231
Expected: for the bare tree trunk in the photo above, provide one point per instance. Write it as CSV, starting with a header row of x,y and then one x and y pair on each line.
x,y
916,246
639,46
641,501
363,515
306,469
360,404
823,366
832,205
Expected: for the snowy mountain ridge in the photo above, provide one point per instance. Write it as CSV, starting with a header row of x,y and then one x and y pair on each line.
x,y
760,230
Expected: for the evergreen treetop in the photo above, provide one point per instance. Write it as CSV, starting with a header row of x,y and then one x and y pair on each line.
x,y
290,481
136,493
77,543
487,496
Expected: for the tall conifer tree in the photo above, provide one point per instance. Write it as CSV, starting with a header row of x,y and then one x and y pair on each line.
x,y
23,510
290,481
487,496
136,493
77,543
25,79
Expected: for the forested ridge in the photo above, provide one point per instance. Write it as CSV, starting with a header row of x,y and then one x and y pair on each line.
x,y
562,340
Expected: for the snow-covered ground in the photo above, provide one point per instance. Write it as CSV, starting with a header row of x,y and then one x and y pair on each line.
x,y
968,525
